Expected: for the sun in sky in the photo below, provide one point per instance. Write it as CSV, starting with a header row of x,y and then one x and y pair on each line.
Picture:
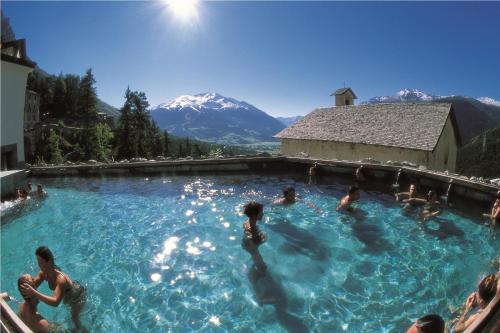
x,y
184,11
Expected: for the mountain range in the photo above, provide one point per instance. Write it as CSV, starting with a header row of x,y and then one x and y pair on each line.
x,y
474,115
213,117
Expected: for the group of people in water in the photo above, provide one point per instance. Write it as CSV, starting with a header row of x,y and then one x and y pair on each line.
x,y
72,293
26,193
429,206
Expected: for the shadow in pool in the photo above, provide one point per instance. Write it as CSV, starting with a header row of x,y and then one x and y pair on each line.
x,y
269,291
300,240
442,228
372,236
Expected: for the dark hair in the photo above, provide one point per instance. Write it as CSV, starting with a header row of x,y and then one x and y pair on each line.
x,y
353,189
253,208
430,194
22,280
44,253
432,323
498,195
288,189
487,288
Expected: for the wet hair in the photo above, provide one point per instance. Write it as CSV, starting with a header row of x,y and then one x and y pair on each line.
x,y
353,189
287,190
253,208
430,194
487,288
22,280
432,323
498,195
45,253
39,185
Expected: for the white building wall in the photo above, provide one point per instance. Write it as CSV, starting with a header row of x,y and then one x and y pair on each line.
x,y
13,89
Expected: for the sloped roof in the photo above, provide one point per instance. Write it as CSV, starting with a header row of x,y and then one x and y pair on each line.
x,y
405,125
15,52
343,91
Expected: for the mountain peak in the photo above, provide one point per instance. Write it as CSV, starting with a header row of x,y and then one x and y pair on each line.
x,y
204,101
488,100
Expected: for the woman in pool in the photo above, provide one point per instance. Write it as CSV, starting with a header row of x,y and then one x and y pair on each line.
x,y
431,206
494,216
252,236
476,303
348,200
65,289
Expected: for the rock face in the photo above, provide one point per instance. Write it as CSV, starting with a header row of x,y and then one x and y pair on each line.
x,y
213,117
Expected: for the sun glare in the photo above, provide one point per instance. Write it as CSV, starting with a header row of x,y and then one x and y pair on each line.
x,y
183,10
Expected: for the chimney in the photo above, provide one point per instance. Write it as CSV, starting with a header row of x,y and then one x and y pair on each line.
x,y
344,96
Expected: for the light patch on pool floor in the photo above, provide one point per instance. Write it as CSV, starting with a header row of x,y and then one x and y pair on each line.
x,y
214,320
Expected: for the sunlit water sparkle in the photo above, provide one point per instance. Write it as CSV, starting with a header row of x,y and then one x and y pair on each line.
x,y
164,254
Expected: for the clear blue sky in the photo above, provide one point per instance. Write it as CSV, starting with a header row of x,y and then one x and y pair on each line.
x,y
283,57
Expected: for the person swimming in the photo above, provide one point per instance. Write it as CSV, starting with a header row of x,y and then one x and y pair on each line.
x,y
65,289
346,202
288,197
432,323
494,215
359,174
40,191
313,170
431,206
253,237
410,196
28,311
476,303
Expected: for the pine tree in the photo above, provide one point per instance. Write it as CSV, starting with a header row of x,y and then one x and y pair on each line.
x,y
7,32
140,118
72,83
127,145
188,147
88,114
166,142
57,106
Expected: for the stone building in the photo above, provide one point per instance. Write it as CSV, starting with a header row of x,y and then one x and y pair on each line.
x,y
420,133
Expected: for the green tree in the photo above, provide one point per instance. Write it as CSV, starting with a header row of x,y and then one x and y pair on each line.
x,y
88,114
54,148
57,107
71,97
166,143
141,122
126,143
104,136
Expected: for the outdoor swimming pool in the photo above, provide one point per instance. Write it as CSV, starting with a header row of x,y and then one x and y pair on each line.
x,y
164,255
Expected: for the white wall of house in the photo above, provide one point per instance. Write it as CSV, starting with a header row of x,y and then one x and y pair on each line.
x,y
443,157
13,89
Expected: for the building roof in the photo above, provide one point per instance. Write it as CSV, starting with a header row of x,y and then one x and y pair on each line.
x,y
343,91
404,125
15,52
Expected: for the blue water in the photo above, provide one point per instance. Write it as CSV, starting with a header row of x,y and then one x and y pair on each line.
x,y
164,255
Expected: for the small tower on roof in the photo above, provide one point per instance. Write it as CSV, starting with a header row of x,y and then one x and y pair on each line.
x,y
344,96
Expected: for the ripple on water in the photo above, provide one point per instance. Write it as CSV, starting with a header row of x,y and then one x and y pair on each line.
x,y
165,254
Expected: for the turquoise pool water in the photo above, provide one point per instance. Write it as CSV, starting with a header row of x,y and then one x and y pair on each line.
x,y
164,255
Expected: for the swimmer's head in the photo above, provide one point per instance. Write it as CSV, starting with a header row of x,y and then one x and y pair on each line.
x,y
25,278
289,193
429,324
431,195
413,189
253,209
45,258
487,288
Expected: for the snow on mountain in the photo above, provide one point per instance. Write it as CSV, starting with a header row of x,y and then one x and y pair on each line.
x,y
205,101
404,95
489,101
213,117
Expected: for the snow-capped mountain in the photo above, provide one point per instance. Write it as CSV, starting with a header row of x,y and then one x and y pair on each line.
x,y
213,117
404,95
489,101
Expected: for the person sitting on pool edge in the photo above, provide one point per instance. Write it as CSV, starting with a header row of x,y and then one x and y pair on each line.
x,y
28,311
494,216
346,202
432,323
288,197
476,303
